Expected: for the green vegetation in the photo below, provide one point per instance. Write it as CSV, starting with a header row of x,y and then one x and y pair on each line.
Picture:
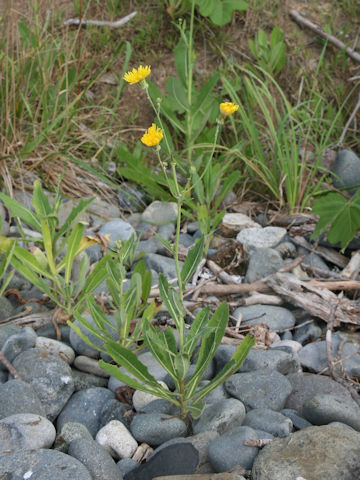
x,y
65,108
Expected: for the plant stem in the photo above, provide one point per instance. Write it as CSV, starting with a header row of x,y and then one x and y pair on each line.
x,y
190,85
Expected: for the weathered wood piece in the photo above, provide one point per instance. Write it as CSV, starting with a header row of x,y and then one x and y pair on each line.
x,y
315,297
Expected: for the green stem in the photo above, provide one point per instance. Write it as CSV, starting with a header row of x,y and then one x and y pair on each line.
x,y
190,85
157,113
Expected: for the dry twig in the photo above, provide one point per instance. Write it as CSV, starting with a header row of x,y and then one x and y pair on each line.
x,y
100,23
330,38
9,366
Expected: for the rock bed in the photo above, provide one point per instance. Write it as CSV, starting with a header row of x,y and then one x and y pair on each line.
x,y
63,418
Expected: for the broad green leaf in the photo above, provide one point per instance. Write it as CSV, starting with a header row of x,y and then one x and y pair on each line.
x,y
339,213
192,260
177,93
204,93
18,210
72,250
181,61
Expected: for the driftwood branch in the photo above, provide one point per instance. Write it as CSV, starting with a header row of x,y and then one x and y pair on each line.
x,y
100,23
331,39
316,298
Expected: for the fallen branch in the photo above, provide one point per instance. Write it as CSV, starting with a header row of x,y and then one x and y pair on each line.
x,y
316,298
330,38
100,23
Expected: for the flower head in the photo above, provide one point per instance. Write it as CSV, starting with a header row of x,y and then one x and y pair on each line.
x,y
137,74
228,108
152,136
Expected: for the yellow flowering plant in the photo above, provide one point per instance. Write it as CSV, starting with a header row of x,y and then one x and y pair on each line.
x,y
183,360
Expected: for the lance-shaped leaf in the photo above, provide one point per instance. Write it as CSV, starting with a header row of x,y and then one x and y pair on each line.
x,y
72,249
196,408
40,201
172,301
158,391
162,345
75,212
192,260
198,330
127,359
18,210
97,276
209,346
231,367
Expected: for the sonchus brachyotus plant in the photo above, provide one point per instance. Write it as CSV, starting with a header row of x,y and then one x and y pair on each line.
x,y
187,359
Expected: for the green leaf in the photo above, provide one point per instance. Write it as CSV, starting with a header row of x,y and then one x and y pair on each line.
x,y
178,94
196,408
5,262
339,213
18,210
127,359
75,212
164,242
197,331
172,301
162,345
48,245
204,94
209,345
192,260
231,367
97,276
72,248
114,371
30,261
181,364
40,201
181,61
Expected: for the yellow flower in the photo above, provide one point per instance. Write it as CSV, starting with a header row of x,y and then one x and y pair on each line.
x,y
137,75
227,108
152,136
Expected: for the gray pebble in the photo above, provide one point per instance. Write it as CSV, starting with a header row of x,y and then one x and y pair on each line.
x,y
85,407
269,421
95,458
49,376
42,464
17,343
156,428
322,409
276,318
229,450
69,432
220,417
17,396
260,389
25,431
